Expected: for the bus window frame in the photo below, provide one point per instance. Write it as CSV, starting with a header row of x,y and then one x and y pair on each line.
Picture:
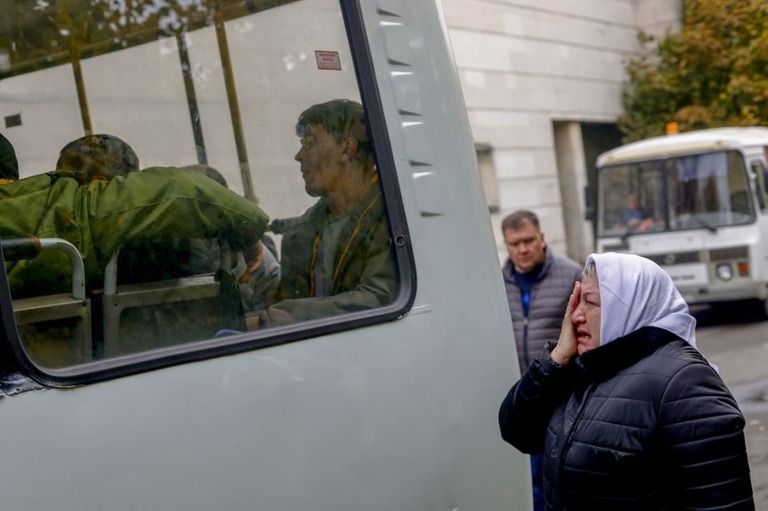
x,y
759,170
139,362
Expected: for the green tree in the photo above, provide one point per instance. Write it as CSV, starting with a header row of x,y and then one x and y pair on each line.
x,y
714,72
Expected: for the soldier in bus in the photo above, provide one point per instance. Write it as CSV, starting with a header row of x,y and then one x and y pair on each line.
x,y
9,165
337,256
97,158
257,269
97,212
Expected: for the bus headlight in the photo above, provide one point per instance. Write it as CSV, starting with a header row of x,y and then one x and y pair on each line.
x,y
724,271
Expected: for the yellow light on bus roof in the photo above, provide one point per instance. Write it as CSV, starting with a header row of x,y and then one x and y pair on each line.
x,y
672,128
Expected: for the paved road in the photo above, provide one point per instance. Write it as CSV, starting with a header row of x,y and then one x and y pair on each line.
x,y
737,342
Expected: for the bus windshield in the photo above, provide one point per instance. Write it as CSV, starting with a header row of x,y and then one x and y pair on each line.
x,y
700,191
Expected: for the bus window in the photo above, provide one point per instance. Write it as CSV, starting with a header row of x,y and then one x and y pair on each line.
x,y
212,169
760,176
632,198
710,190
689,192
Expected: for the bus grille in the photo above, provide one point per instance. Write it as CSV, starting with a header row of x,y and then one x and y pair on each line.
x,y
727,254
675,258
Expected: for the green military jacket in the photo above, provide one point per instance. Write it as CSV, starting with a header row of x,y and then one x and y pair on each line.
x,y
98,218
364,265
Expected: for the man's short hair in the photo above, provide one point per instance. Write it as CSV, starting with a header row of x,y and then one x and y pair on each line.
x,y
97,155
516,221
341,118
9,165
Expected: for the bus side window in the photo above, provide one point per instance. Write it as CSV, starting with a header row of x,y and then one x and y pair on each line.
x,y
760,175
301,163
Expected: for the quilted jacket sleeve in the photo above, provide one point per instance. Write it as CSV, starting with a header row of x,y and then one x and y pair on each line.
x,y
529,405
703,430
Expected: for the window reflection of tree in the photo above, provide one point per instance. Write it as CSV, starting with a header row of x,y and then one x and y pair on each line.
x,y
50,32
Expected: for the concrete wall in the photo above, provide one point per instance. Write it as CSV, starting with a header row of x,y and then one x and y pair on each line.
x,y
528,66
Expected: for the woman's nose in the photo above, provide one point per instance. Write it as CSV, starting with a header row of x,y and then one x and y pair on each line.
x,y
577,316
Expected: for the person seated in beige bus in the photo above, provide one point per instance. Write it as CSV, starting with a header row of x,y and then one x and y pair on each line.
x,y
337,256
634,216
91,202
256,269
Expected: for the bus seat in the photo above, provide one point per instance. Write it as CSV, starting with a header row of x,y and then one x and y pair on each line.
x,y
55,330
148,315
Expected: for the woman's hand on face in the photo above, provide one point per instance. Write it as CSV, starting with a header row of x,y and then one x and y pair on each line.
x,y
566,344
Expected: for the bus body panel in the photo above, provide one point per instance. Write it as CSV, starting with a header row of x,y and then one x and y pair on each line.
x,y
338,421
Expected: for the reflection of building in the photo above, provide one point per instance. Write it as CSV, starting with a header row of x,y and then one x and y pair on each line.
x,y
542,82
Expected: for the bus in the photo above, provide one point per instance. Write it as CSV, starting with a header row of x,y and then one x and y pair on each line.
x,y
696,204
159,392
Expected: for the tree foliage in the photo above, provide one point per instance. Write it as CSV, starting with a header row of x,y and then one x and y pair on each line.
x,y
714,72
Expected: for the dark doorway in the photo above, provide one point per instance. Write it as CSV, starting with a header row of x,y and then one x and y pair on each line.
x,y
597,138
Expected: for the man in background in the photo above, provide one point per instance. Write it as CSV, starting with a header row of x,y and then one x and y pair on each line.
x,y
538,286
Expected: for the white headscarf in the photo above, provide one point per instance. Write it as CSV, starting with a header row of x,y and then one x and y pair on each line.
x,y
635,292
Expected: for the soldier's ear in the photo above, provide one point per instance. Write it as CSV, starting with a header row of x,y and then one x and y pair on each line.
x,y
350,149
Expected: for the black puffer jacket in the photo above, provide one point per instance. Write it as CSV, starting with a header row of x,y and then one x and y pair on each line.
x,y
642,423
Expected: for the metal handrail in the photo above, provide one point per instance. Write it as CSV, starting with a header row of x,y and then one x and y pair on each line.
x,y
15,249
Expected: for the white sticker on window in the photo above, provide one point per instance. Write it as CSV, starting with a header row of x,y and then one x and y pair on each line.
x,y
328,60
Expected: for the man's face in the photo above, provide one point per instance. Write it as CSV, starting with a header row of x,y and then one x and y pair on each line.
x,y
320,158
525,247
586,317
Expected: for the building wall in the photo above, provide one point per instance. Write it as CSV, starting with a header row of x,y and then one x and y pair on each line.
x,y
531,71
657,17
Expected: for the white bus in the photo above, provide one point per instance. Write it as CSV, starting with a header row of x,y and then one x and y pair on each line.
x,y
379,408
697,204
